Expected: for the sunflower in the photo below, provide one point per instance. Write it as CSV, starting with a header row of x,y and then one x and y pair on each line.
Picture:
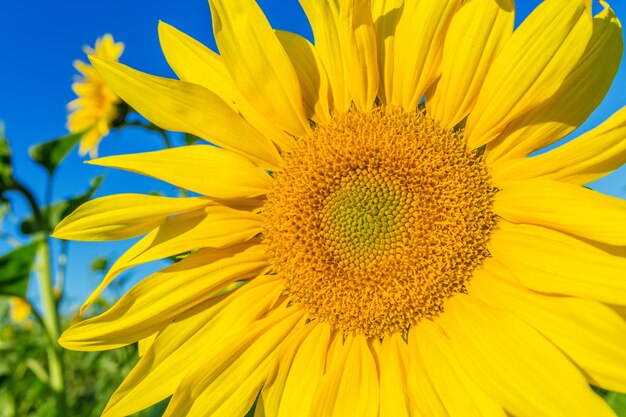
x,y
96,107
20,309
371,236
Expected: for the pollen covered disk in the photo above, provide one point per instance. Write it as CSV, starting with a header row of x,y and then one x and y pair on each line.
x,y
376,218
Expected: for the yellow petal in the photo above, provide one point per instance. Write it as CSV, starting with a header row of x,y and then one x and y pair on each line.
x,y
531,66
394,367
515,365
590,333
106,47
203,169
553,262
324,19
305,373
195,63
146,343
350,387
579,95
418,48
122,216
260,410
269,401
258,63
180,106
357,37
160,371
475,37
385,14
619,310
90,140
229,379
213,227
581,161
164,296
311,73
458,393
335,351
423,398
565,207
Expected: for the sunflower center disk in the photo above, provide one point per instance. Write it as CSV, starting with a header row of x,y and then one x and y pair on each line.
x,y
376,218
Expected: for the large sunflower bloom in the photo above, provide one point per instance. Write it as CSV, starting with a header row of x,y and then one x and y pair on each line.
x,y
96,106
372,237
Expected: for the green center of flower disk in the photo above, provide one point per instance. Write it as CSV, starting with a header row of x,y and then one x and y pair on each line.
x,y
376,218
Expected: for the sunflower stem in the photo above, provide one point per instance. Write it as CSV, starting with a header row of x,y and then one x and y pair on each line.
x,y
51,324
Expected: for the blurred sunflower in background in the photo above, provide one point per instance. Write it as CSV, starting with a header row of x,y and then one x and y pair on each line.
x,y
20,309
396,249
96,107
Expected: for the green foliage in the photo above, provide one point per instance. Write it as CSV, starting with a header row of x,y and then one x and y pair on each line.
x,y
4,208
50,154
617,402
191,139
6,170
158,410
16,266
91,376
99,264
56,212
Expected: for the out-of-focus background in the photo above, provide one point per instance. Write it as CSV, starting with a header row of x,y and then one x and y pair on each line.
x,y
39,40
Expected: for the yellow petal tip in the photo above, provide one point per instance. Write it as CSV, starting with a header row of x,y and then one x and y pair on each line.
x,y
57,233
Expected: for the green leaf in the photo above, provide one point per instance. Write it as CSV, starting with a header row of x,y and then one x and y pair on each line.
x,y
8,403
158,409
191,139
50,154
6,170
617,402
99,264
37,369
16,266
5,207
57,211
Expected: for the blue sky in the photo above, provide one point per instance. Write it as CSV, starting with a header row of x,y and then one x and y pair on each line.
x,y
39,41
